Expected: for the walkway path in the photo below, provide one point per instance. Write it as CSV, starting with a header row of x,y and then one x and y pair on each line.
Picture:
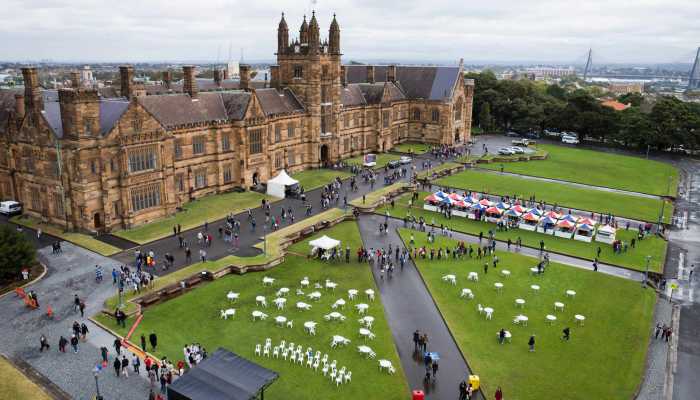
x,y
409,306
69,273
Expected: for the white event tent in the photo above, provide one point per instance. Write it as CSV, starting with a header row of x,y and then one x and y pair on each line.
x,y
277,185
325,243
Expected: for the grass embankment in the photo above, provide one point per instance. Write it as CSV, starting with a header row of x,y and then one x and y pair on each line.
x,y
16,386
315,178
604,359
382,159
195,213
194,317
78,239
442,167
633,259
567,196
412,148
599,168
375,197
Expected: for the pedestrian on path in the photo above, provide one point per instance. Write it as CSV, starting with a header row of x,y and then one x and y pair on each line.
x,y
125,367
104,352
531,343
117,366
416,339
118,346
595,264
435,369
83,331
74,343
76,303
154,340
136,362
463,390
81,307
43,343
657,330
62,342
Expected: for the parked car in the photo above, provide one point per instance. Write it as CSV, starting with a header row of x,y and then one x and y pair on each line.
x,y
405,160
512,134
393,164
551,133
10,208
369,160
505,151
568,139
517,150
520,142
532,135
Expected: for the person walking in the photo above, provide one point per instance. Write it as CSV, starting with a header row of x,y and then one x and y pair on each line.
x,y
43,343
62,342
83,331
74,343
435,369
154,340
117,366
531,343
118,346
76,303
103,353
125,367
81,307
416,339
136,363
567,333
595,264
499,394
425,342
463,390
657,331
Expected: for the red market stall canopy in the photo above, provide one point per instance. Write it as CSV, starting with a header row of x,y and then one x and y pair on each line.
x,y
531,217
553,215
586,221
565,223
493,210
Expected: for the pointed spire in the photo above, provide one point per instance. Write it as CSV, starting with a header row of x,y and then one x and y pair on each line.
x,y
314,22
304,25
334,24
283,23
334,37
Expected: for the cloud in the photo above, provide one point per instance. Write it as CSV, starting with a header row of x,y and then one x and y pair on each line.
x,y
439,30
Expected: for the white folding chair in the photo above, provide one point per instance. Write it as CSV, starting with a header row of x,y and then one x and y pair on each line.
x,y
348,376
258,349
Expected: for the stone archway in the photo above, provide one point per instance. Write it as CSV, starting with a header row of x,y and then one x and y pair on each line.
x,y
256,179
97,221
458,137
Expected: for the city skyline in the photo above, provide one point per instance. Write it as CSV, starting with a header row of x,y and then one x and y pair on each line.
x,y
442,31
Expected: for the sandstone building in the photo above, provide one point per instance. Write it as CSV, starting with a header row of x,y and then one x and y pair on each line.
x,y
85,161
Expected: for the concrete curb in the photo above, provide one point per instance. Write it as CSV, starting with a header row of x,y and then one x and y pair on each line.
x,y
672,360
35,280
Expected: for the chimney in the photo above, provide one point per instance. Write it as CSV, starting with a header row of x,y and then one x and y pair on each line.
x,y
343,76
245,76
32,91
80,112
167,78
391,73
265,80
19,105
190,85
75,79
217,77
226,77
275,76
370,74
126,75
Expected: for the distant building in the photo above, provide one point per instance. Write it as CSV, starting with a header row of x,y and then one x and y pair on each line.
x,y
86,75
551,72
626,87
233,70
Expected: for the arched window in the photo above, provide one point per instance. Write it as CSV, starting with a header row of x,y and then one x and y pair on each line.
x,y
436,115
458,110
416,114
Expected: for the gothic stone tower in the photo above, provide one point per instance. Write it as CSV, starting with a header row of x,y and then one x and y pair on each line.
x,y
311,69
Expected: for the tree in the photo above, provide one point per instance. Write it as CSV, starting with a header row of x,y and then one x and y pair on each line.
x,y
634,98
16,252
485,119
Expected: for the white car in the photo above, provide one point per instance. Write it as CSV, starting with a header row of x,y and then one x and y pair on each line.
x,y
517,150
10,208
405,160
506,151
569,139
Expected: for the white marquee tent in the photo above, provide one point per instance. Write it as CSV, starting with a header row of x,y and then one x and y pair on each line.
x,y
325,243
277,185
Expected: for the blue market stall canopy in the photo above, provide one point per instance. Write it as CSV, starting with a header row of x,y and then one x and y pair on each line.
x,y
222,376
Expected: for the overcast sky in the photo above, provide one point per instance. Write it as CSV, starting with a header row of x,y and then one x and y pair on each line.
x,y
402,30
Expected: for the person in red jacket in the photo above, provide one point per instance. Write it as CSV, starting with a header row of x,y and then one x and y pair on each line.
x,y
499,394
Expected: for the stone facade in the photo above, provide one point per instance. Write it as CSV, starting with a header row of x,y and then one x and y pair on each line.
x,y
87,162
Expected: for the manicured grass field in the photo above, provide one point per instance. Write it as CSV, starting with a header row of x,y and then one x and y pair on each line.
x,y
598,168
79,239
195,213
194,317
15,385
314,178
382,159
630,206
604,359
415,148
633,259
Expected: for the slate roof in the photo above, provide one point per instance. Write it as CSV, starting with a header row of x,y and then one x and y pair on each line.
x,y
369,93
110,112
7,104
417,82
203,85
275,101
179,109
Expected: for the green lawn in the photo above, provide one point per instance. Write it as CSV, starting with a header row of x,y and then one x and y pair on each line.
x,y
633,259
195,213
382,159
414,148
194,317
315,178
79,239
598,168
630,206
15,385
375,196
603,360
442,167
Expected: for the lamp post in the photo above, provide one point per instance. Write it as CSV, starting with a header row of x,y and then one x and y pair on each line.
x,y
96,373
265,239
646,272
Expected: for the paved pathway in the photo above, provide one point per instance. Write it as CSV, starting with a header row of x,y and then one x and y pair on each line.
x,y
409,306
69,273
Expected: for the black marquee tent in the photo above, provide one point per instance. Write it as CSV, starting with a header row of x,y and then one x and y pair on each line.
x,y
222,376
